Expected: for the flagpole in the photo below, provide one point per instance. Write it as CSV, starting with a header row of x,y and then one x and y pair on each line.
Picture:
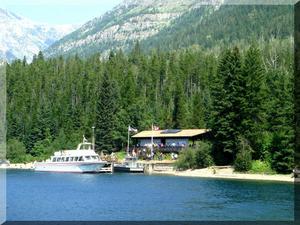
x,y
128,140
152,141
93,127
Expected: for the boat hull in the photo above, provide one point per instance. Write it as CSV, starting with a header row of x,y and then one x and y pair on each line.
x,y
124,169
83,167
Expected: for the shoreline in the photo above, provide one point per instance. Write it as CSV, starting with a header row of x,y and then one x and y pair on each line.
x,y
228,173
22,166
214,172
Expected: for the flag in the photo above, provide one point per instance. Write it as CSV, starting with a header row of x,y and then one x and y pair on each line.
x,y
84,139
155,128
131,129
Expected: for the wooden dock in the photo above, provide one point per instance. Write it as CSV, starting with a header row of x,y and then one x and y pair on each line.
x,y
149,166
158,166
296,173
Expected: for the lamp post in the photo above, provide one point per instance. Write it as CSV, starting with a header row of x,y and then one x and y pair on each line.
x,y
128,140
93,140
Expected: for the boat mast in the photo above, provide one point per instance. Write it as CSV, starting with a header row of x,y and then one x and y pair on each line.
x,y
93,139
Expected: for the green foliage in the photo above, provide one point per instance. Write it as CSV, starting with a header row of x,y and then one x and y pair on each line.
x,y
203,156
40,150
179,112
106,113
253,101
264,141
227,104
198,112
186,160
121,155
227,26
282,152
195,158
253,98
43,149
16,152
51,103
243,159
263,167
165,156
203,26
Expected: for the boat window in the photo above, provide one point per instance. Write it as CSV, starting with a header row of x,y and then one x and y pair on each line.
x,y
58,159
94,157
54,160
88,157
80,158
71,159
63,159
76,158
67,159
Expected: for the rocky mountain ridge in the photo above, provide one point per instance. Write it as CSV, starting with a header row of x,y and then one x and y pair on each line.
x,y
21,37
128,22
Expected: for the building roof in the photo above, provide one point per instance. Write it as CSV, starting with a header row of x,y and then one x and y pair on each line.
x,y
170,133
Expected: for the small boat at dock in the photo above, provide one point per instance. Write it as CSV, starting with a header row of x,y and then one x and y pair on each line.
x,y
130,165
84,159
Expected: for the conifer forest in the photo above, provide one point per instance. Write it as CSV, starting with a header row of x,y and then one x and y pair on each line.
x,y
243,94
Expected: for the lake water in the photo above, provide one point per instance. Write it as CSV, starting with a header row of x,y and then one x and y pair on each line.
x,y
58,196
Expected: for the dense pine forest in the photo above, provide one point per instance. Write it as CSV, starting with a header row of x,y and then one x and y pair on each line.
x,y
245,95
215,29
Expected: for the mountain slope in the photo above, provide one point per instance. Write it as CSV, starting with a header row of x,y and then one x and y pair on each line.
x,y
21,37
173,24
227,25
130,21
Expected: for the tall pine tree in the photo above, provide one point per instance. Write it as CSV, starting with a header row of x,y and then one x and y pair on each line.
x,y
180,111
253,122
106,113
226,107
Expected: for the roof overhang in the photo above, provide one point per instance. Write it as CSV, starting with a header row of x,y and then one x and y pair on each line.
x,y
186,133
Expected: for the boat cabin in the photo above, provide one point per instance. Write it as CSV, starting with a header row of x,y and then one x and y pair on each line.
x,y
83,153
85,146
89,158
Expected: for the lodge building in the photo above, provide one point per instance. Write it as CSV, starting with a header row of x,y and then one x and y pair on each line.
x,y
170,140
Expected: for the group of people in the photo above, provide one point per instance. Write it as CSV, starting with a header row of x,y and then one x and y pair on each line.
x,y
161,145
146,154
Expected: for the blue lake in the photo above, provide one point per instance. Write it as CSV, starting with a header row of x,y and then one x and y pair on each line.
x,y
58,196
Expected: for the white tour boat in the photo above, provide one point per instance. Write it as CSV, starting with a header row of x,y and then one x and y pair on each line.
x,y
82,160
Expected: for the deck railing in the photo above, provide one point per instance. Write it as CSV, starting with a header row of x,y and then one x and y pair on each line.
x,y
164,149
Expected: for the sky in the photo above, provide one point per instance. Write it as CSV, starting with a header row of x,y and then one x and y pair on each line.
x,y
59,11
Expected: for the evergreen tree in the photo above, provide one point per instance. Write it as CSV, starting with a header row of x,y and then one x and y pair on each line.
x,y
180,89
226,107
198,112
281,124
243,158
106,113
135,55
252,103
179,112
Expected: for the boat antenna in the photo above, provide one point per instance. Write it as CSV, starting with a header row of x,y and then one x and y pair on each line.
x,y
93,139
